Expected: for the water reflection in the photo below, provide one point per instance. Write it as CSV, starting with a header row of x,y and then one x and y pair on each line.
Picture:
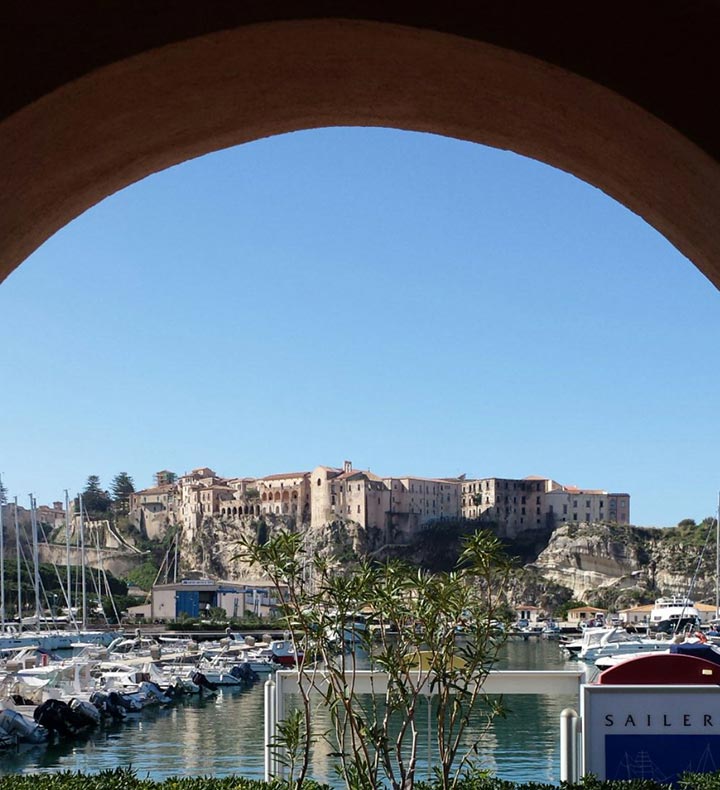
x,y
224,736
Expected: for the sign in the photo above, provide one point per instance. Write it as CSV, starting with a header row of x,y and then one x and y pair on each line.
x,y
650,732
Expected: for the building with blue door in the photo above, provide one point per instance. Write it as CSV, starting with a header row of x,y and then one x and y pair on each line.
x,y
194,597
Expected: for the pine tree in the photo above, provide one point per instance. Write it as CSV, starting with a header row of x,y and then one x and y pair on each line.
x,y
95,501
122,486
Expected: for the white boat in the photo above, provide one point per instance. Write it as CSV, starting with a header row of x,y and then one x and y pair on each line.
x,y
686,646
12,637
674,614
615,641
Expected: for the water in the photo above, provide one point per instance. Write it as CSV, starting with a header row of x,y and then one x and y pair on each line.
x,y
224,736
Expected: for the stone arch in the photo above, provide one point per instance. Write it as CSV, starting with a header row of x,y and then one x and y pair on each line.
x,y
88,109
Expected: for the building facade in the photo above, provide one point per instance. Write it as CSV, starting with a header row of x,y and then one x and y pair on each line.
x,y
517,505
392,507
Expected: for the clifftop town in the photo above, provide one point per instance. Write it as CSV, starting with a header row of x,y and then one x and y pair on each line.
x,y
571,543
390,508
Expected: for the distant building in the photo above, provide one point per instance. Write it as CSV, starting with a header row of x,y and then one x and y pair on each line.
x,y
514,504
584,614
165,478
153,509
414,501
396,505
571,504
394,508
350,494
194,597
45,514
531,503
527,612
286,494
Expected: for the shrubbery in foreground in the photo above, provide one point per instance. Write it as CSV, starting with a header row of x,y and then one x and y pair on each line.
x,y
125,779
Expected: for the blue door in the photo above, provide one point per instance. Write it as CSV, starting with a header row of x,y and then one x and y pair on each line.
x,y
187,602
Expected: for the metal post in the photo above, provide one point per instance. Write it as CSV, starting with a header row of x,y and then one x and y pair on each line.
x,y
67,556
569,746
17,560
82,565
36,561
429,737
270,718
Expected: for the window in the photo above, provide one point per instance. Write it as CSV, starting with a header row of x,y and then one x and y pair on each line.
x,y
587,517
565,509
358,510
574,502
587,503
574,516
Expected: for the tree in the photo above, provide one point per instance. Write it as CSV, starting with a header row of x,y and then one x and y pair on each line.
x,y
447,630
122,486
3,493
95,501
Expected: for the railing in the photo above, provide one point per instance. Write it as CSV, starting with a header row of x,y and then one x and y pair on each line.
x,y
367,681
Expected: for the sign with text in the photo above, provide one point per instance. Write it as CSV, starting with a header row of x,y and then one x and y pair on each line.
x,y
650,732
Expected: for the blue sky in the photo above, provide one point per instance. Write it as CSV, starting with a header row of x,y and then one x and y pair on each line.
x,y
418,305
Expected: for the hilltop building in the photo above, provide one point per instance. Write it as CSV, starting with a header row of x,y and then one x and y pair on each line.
x,y
518,505
392,507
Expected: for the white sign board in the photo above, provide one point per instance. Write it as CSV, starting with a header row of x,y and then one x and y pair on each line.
x,y
650,732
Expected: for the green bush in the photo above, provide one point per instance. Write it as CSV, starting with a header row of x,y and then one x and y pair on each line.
x,y
126,779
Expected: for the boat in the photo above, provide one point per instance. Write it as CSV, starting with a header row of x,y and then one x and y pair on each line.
x,y
283,652
17,727
616,641
672,615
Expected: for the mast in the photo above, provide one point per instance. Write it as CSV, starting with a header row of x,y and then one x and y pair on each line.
x,y
67,555
2,565
36,564
717,561
19,575
82,564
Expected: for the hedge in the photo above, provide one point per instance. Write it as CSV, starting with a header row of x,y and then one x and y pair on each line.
x,y
126,779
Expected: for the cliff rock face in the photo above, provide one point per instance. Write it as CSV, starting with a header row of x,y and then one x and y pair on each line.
x,y
608,565
585,557
214,549
628,563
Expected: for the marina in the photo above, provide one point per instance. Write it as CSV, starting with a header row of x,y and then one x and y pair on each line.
x,y
222,735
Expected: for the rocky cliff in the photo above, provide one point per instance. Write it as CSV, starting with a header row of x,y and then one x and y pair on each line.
x,y
614,565
607,565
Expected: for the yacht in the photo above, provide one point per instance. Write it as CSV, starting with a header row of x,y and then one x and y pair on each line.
x,y
673,615
615,641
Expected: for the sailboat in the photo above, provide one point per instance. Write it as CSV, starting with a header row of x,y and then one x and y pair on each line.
x,y
39,630
13,636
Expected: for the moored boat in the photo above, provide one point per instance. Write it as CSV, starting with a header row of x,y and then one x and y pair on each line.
x,y
673,615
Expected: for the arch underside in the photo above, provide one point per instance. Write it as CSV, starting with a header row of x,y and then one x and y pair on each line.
x,y
115,124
